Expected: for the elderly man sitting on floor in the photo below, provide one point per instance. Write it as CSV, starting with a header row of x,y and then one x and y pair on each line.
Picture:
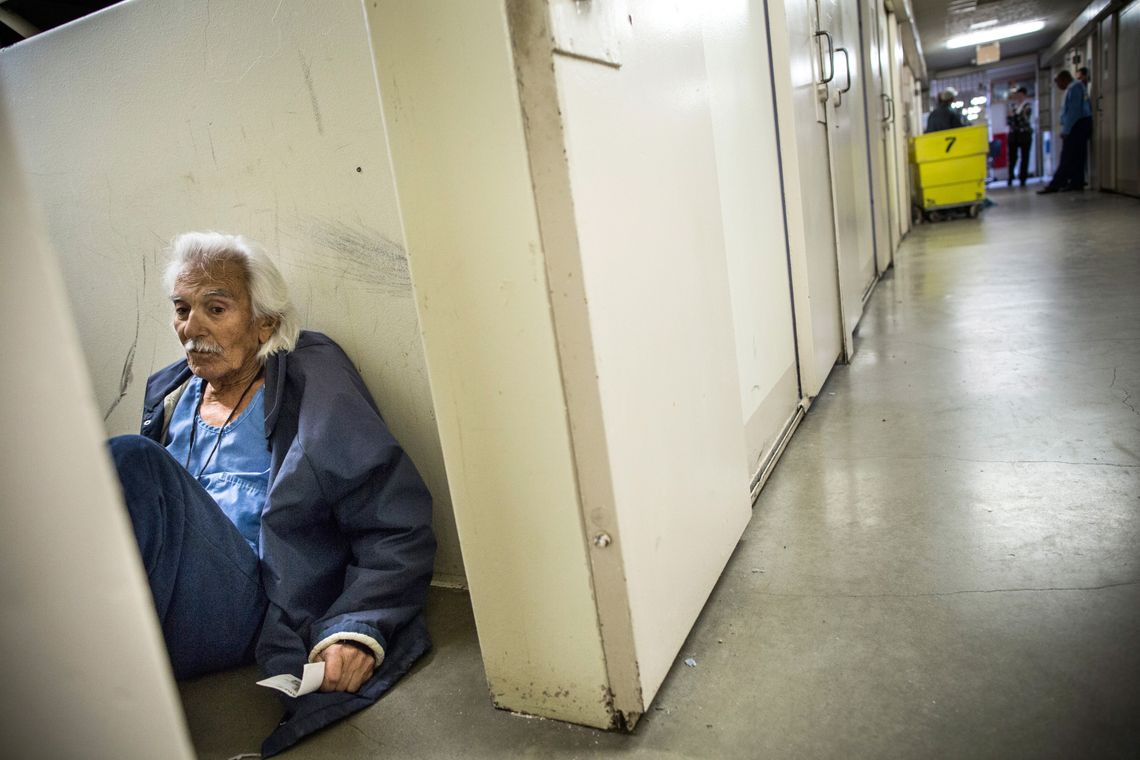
x,y
276,515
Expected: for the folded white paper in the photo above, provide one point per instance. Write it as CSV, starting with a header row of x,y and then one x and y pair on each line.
x,y
309,681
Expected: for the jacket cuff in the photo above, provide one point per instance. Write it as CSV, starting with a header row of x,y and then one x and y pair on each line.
x,y
360,638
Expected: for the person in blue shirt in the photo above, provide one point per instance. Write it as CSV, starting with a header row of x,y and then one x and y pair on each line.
x,y
277,517
1076,127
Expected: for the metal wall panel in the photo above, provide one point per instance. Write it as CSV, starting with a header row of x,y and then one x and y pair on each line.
x,y
1128,100
1104,102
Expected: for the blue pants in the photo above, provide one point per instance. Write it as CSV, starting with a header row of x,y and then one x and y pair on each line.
x,y
204,577
1070,173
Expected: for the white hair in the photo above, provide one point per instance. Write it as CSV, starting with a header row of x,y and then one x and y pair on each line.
x,y
268,294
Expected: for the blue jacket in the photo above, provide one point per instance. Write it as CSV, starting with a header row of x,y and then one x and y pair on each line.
x,y
1074,107
346,539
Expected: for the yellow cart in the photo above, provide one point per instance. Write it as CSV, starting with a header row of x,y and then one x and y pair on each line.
x,y
948,171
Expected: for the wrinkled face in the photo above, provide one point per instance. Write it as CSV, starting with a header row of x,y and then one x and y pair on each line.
x,y
214,321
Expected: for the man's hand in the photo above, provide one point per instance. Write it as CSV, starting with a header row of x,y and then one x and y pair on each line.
x,y
346,667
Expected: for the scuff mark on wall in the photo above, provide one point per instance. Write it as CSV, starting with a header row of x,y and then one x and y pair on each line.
x,y
128,375
360,253
306,70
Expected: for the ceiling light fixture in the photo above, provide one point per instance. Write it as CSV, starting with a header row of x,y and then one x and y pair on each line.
x,y
995,33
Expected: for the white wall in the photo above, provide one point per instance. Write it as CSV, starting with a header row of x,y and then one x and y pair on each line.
x,y
85,672
152,118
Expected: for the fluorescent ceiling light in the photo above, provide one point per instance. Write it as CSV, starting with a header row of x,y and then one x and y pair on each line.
x,y
995,33
984,24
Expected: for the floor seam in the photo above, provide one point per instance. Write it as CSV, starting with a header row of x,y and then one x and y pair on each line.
x,y
987,461
962,592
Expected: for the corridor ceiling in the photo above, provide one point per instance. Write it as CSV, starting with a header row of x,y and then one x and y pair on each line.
x,y
939,20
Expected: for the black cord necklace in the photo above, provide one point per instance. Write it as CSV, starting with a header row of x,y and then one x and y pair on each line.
x,y
218,439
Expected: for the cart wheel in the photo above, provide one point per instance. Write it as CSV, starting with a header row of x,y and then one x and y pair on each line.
x,y
973,211
936,216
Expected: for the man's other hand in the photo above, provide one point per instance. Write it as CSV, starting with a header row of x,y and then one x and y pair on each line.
x,y
346,667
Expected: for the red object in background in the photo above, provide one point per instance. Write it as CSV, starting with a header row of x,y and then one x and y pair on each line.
x,y
1001,160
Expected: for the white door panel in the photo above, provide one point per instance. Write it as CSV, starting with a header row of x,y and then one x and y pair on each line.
x,y
884,259
748,174
875,113
847,151
808,194
901,85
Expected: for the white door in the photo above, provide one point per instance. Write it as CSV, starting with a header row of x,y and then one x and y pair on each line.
x,y
850,174
901,86
804,62
887,99
1104,103
875,108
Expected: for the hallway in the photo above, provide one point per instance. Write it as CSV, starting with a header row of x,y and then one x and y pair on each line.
x,y
967,586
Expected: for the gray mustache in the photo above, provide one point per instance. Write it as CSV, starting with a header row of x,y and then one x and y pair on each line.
x,y
200,347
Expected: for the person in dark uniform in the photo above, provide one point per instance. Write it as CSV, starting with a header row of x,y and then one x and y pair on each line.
x,y
1020,134
943,116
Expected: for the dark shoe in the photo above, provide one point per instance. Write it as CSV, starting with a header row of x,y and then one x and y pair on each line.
x,y
1048,190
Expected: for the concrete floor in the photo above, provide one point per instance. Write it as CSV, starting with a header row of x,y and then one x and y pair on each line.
x,y
944,564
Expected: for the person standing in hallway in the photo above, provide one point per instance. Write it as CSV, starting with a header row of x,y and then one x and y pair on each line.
x,y
943,116
1020,134
1076,126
